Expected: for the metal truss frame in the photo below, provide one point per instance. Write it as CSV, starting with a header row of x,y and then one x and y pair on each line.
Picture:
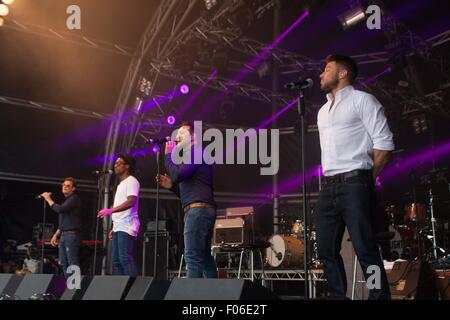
x,y
54,108
70,37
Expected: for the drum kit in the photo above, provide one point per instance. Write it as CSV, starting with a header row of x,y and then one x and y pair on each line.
x,y
416,232
287,249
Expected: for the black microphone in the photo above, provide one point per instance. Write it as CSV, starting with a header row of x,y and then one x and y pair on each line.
x,y
301,84
158,140
98,172
40,197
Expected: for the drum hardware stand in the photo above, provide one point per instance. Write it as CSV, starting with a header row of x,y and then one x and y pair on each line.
x,y
433,227
433,223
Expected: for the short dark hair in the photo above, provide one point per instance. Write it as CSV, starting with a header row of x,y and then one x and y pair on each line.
x,y
347,62
129,160
188,124
74,182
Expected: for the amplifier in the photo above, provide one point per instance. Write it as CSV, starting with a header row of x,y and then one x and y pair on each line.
x,y
162,225
229,231
239,211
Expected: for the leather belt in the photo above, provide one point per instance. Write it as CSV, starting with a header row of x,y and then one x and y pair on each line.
x,y
342,177
197,204
70,231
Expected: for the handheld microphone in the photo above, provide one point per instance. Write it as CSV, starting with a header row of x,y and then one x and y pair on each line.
x,y
98,172
301,84
40,197
158,140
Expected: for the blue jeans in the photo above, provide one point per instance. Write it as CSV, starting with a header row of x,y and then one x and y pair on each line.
x,y
123,246
69,248
198,231
351,203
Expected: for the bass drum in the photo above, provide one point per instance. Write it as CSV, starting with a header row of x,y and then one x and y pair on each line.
x,y
285,251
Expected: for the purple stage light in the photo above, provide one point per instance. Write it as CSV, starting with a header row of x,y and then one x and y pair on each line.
x,y
170,120
184,88
155,148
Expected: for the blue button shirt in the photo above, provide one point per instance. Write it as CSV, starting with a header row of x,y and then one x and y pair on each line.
x,y
191,182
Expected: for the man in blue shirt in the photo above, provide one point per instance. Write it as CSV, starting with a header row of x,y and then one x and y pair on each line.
x,y
193,183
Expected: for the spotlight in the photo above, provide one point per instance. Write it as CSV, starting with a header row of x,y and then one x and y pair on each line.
x,y
170,120
8,1
184,89
419,124
4,10
352,17
210,3
138,104
155,148
263,70
403,83
145,86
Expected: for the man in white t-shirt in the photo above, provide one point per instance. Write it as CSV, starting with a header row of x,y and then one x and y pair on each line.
x,y
124,217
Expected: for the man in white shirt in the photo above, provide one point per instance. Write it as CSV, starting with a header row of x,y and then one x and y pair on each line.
x,y
356,142
125,217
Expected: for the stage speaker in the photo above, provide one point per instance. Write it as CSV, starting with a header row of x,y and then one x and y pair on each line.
x,y
108,288
162,258
412,280
443,281
148,288
77,294
217,289
348,256
41,287
9,283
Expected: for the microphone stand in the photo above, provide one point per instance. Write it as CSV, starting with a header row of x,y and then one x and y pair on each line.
x,y
301,108
155,253
99,185
43,238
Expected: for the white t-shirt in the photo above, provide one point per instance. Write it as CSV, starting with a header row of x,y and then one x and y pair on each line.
x,y
127,220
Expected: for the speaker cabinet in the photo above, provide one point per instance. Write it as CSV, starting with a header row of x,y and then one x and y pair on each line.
x,y
34,286
217,289
412,280
148,288
162,258
108,288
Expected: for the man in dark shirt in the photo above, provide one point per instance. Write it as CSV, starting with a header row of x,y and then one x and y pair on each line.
x,y
69,226
193,183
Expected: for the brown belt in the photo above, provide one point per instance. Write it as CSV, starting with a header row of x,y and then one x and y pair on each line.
x,y
197,204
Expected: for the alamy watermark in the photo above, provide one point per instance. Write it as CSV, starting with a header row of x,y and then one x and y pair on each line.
x,y
73,282
373,13
74,19
229,148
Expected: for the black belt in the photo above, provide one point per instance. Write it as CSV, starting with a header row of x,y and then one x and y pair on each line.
x,y
70,231
342,177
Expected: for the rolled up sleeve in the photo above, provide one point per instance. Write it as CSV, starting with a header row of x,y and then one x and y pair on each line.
x,y
372,115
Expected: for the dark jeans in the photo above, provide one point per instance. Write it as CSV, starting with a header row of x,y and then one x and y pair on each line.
x,y
351,203
69,248
198,231
123,246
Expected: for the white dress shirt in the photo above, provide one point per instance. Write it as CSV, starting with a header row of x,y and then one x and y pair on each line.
x,y
350,130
